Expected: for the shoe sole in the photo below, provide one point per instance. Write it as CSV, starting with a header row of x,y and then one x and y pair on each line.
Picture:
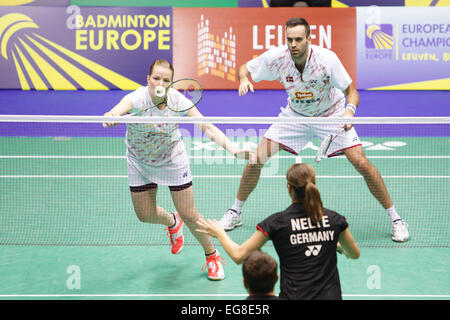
x,y
216,279
397,240
400,240
179,251
234,227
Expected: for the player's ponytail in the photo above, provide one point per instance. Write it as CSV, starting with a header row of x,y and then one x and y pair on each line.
x,y
312,202
302,179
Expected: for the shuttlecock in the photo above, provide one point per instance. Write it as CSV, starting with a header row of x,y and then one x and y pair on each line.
x,y
160,91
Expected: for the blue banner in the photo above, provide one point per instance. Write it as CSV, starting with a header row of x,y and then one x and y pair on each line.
x,y
90,48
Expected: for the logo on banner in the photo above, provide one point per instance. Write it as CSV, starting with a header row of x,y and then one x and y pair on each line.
x,y
379,41
42,64
379,36
216,53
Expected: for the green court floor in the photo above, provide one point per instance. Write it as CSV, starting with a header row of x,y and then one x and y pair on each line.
x,y
68,230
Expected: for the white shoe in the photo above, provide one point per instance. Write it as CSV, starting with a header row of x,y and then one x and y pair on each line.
x,y
400,231
230,220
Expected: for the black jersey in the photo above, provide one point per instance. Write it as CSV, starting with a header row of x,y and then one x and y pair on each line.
x,y
307,252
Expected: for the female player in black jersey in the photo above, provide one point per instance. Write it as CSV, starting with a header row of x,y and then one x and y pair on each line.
x,y
306,237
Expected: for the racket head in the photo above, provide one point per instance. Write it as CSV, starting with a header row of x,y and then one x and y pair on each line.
x,y
323,148
190,89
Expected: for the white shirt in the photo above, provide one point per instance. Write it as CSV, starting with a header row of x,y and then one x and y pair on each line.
x,y
154,144
317,92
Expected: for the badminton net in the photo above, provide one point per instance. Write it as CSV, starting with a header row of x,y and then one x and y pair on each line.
x,y
64,181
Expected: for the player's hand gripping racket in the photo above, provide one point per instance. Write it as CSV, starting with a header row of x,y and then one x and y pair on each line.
x,y
190,89
325,145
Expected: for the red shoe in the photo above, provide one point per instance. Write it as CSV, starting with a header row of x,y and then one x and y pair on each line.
x,y
176,235
215,265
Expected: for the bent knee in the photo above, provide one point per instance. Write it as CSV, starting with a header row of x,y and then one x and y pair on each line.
x,y
189,217
256,165
259,161
147,215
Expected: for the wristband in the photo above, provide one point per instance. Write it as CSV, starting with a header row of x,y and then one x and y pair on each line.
x,y
351,107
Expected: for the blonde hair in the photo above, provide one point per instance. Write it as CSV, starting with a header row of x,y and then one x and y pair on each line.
x,y
302,179
162,63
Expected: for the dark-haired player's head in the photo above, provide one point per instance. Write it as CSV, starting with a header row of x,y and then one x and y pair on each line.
x,y
260,273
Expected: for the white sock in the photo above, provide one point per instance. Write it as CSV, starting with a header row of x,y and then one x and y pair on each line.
x,y
238,204
393,214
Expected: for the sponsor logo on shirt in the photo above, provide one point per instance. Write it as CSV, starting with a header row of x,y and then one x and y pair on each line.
x,y
302,95
313,250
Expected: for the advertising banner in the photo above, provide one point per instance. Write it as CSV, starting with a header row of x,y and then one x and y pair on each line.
x,y
390,3
156,3
403,48
90,48
35,2
211,43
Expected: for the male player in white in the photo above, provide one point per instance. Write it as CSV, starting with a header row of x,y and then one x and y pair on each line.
x,y
317,85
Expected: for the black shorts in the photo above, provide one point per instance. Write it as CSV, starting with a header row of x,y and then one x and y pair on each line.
x,y
151,186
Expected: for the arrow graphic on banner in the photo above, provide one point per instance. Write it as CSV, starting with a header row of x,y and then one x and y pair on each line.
x,y
16,2
42,64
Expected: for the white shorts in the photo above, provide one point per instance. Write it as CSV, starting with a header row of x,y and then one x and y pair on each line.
x,y
293,137
176,172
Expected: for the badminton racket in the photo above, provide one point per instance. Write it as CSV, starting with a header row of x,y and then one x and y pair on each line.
x,y
325,145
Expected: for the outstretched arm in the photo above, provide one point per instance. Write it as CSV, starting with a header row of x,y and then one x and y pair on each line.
x,y
124,106
244,82
219,137
347,245
237,252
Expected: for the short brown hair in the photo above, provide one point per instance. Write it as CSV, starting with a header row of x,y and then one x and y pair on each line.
x,y
260,272
292,22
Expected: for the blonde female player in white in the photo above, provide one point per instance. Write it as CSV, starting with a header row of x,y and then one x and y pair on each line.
x,y
156,155
317,85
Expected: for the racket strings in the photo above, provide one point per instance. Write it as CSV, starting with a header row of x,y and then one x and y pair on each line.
x,y
190,89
